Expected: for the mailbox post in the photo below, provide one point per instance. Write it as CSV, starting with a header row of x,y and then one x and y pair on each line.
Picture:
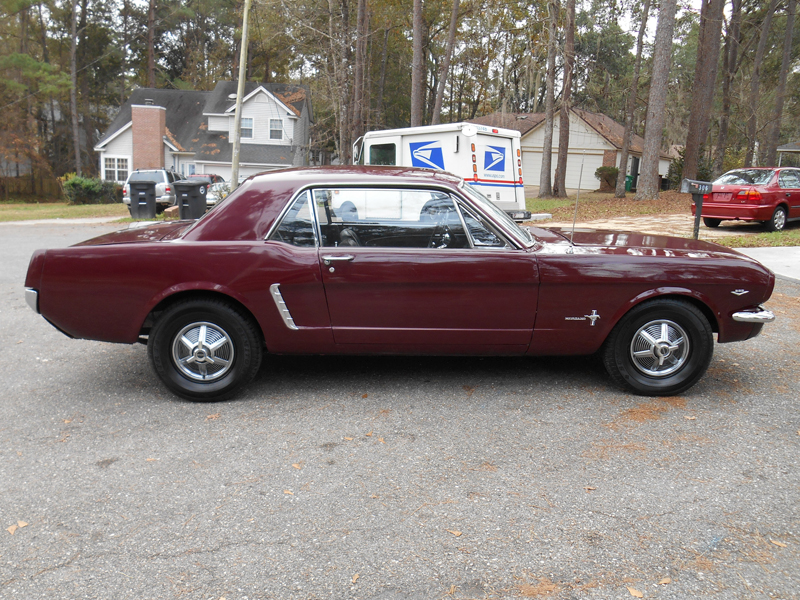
x,y
696,189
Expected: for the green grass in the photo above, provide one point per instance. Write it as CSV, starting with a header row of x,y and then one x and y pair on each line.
x,y
788,237
17,211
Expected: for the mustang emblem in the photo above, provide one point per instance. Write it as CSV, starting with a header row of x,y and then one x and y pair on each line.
x,y
740,292
592,317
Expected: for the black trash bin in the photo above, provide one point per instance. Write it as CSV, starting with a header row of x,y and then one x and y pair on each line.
x,y
191,198
143,199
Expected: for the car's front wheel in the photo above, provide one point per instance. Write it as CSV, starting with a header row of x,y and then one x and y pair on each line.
x,y
205,349
778,220
709,222
660,348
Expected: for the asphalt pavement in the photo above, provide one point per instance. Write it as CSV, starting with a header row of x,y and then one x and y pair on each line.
x,y
391,478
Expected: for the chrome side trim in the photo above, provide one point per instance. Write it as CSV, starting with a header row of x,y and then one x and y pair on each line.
x,y
754,316
32,298
275,290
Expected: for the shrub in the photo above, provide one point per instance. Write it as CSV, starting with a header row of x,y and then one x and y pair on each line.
x,y
85,190
608,177
675,173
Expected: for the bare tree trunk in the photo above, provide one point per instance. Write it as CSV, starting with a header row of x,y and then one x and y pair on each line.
x,y
151,40
755,77
444,71
705,76
417,68
731,64
648,186
630,107
361,57
780,95
382,84
73,92
545,177
563,130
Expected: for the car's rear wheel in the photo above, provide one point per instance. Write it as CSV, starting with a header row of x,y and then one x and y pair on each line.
x,y
778,220
660,348
205,349
709,222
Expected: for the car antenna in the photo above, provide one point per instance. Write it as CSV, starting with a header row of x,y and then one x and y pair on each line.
x,y
577,196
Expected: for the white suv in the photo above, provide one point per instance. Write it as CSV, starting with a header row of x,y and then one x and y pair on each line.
x,y
165,191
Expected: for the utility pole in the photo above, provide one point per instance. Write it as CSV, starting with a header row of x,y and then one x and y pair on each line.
x,y
237,120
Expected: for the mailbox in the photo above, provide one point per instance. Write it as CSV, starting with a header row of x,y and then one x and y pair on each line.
x,y
694,187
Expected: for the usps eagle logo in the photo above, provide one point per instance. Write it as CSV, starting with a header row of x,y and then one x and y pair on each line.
x,y
427,155
494,159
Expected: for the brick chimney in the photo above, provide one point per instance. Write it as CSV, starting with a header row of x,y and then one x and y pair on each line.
x,y
149,127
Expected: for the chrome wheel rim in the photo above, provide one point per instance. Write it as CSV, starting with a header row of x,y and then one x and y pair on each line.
x,y
659,348
202,351
779,219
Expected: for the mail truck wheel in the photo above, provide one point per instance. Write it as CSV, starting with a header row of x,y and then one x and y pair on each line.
x,y
205,349
660,348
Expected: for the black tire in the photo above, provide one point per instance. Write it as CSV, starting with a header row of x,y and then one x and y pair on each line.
x,y
675,362
709,222
778,220
227,358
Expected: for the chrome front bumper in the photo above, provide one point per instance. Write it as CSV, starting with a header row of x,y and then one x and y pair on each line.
x,y
754,316
32,298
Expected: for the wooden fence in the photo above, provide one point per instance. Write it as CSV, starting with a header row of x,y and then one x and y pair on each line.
x,y
34,185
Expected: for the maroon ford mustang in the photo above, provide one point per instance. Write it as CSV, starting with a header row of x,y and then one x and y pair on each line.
x,y
362,260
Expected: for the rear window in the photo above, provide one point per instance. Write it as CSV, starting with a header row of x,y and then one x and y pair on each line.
x,y
157,176
746,177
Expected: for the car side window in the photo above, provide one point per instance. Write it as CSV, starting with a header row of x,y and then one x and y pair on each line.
x,y
388,218
480,232
789,180
296,226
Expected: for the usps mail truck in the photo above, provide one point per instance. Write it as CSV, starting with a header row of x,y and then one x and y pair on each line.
x,y
488,158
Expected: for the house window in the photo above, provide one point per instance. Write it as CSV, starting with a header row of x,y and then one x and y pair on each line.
x,y
276,129
116,169
247,128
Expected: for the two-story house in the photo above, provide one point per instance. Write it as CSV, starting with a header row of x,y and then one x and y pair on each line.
x,y
192,132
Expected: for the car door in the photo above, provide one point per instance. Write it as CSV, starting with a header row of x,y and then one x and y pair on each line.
x,y
413,271
789,182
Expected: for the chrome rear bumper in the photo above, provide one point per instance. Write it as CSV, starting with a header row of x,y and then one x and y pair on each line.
x,y
32,298
754,316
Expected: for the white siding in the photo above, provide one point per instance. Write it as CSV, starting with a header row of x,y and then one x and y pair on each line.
x,y
122,145
261,108
216,123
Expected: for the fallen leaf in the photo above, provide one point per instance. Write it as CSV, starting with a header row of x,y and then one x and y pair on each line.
x,y
452,591
151,459
297,465
635,593
369,434
67,421
22,524
212,417
689,417
777,543
665,581
11,529
364,395
381,440
349,439
455,533
355,577
589,488
288,492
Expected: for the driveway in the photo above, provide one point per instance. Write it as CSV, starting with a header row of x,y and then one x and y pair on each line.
x,y
391,478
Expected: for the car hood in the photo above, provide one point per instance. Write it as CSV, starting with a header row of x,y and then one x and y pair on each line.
x,y
148,232
644,243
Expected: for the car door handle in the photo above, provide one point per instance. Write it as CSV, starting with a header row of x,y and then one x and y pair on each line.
x,y
328,259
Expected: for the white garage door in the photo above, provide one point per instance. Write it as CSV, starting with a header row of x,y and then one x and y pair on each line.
x,y
532,168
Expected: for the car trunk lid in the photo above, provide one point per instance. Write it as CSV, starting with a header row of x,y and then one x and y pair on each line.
x,y
140,233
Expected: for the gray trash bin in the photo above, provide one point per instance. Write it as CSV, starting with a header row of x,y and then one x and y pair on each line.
x,y
143,199
191,198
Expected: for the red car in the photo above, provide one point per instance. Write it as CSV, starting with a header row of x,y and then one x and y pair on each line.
x,y
366,260
769,195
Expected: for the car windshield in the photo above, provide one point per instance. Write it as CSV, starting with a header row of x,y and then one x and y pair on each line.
x,y
157,176
746,177
491,208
